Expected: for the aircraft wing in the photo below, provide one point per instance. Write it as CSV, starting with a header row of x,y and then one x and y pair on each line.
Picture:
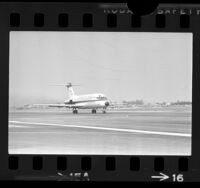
x,y
55,105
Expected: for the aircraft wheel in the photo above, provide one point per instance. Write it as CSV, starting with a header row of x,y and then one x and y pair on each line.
x,y
104,112
75,111
94,111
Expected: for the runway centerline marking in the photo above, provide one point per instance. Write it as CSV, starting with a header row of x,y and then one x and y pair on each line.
x,y
106,128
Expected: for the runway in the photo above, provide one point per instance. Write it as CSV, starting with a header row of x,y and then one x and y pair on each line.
x,y
119,132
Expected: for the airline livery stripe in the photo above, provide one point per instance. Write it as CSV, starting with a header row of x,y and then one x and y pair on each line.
x,y
91,100
107,128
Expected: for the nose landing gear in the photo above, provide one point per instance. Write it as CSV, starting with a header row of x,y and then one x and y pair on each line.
x,y
104,110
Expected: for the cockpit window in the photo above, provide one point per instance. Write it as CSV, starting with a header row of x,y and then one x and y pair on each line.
x,y
102,97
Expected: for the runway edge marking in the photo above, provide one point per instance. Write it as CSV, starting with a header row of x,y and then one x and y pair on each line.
x,y
105,128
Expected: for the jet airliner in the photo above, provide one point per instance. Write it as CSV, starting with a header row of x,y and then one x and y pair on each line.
x,y
90,101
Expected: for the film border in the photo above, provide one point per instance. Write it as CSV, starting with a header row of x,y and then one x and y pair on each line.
x,y
95,17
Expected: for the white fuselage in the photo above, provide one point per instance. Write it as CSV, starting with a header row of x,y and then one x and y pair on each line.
x,y
90,101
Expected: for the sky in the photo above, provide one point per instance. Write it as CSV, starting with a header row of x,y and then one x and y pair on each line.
x,y
155,67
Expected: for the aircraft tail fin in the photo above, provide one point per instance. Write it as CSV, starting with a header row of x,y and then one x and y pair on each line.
x,y
70,91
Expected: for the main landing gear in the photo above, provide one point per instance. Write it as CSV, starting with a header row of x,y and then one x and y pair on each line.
x,y
94,111
75,111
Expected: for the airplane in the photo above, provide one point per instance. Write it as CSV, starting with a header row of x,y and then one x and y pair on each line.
x,y
90,101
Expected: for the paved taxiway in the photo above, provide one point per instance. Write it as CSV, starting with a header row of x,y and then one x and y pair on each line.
x,y
119,132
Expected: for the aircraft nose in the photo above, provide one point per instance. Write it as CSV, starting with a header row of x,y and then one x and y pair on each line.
x,y
107,104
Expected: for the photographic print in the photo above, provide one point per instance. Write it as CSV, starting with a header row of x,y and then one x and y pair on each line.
x,y
100,93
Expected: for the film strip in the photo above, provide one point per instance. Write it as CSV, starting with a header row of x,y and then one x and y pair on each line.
x,y
97,17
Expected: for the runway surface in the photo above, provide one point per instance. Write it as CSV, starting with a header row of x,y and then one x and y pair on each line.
x,y
119,132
